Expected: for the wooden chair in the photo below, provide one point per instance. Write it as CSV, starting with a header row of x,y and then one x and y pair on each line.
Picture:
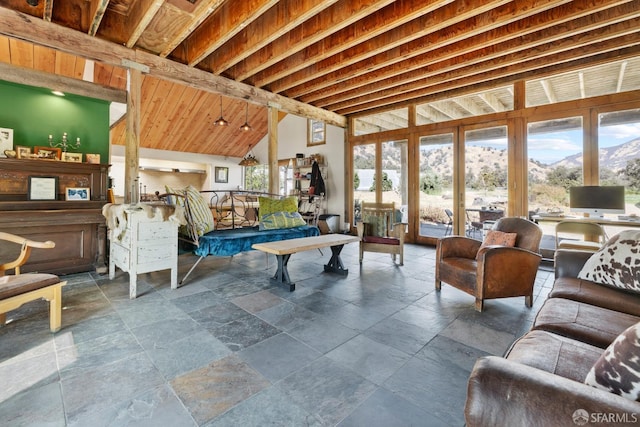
x,y
17,289
379,232
576,234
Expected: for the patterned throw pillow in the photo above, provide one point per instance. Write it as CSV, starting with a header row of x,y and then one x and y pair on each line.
x,y
617,263
278,220
269,205
376,225
500,238
201,215
618,369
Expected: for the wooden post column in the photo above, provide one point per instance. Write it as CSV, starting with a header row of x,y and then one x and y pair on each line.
x,y
132,141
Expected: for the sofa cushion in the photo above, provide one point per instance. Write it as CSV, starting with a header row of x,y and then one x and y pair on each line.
x,y
595,294
618,369
500,238
201,216
617,263
280,220
555,354
269,205
584,322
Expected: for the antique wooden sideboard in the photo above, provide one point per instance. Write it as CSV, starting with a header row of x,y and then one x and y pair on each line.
x,y
76,226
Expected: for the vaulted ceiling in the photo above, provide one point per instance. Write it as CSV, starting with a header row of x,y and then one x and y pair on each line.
x,y
328,59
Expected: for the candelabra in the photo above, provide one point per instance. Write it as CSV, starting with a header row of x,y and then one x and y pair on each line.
x,y
64,144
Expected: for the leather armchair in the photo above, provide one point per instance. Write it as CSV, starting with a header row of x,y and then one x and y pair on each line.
x,y
493,271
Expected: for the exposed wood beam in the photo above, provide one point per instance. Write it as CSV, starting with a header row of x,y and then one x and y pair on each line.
x,y
583,92
203,11
492,101
329,21
392,37
616,36
623,67
224,23
97,9
438,43
24,27
142,12
515,37
548,91
38,78
47,10
274,23
629,47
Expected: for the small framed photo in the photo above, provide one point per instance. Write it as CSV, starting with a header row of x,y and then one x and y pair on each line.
x,y
81,193
72,157
6,140
93,158
43,188
49,153
222,174
23,152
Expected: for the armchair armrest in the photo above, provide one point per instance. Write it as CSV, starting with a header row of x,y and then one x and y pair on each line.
x,y
398,231
458,246
502,392
569,262
25,250
499,265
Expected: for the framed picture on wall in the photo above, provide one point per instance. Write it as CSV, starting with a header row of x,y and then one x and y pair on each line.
x,y
6,140
222,174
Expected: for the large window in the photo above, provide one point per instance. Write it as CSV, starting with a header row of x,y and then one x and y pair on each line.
x,y
555,163
436,185
619,154
394,176
486,177
364,168
256,178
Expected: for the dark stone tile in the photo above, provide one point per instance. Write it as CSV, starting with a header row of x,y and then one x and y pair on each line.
x,y
320,303
447,351
370,359
257,302
156,407
35,406
269,407
243,332
198,301
108,385
159,334
287,316
385,409
87,329
438,388
327,390
278,356
400,335
322,334
355,317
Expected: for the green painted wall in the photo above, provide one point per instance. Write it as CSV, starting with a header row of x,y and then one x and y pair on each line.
x,y
35,113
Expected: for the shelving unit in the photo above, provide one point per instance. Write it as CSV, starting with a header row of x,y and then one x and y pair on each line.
x,y
311,205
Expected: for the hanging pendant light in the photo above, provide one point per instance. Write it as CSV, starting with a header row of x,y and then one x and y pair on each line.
x,y
249,159
246,126
221,121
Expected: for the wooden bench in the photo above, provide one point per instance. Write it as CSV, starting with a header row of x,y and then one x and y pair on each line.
x,y
283,250
17,290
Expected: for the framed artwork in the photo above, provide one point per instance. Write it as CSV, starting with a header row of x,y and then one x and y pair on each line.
x,y
222,174
23,152
72,157
71,193
6,140
49,153
42,188
93,158
316,134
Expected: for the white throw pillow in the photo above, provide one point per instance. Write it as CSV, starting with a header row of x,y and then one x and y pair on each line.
x,y
617,263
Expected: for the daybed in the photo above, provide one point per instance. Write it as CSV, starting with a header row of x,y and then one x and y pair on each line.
x,y
576,365
279,220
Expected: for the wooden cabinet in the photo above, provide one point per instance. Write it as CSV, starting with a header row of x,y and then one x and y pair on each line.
x,y
77,227
143,244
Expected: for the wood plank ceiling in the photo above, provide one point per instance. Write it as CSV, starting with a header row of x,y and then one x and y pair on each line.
x,y
349,57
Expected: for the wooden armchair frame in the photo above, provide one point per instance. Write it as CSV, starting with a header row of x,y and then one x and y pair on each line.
x,y
19,289
389,239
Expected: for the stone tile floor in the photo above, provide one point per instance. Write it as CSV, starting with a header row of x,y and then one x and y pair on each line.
x,y
378,347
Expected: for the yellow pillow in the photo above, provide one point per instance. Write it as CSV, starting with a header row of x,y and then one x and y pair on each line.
x,y
269,205
201,215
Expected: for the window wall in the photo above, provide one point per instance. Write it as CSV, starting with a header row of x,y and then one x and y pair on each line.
x,y
436,185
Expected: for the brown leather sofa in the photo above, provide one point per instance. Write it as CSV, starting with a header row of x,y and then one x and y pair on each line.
x,y
540,381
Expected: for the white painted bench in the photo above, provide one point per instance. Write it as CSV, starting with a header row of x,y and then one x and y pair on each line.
x,y
283,250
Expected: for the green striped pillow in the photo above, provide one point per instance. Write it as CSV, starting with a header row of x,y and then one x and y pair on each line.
x,y
278,220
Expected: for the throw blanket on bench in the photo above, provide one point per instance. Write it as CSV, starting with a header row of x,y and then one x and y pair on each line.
x,y
233,241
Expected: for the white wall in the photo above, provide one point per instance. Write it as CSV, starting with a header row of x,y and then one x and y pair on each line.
x,y
292,139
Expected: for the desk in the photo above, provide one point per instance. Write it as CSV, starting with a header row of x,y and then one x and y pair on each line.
x,y
602,221
283,250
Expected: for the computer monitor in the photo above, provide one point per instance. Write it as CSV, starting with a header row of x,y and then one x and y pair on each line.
x,y
597,200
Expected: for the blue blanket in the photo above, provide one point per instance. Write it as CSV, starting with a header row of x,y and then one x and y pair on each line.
x,y
233,241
